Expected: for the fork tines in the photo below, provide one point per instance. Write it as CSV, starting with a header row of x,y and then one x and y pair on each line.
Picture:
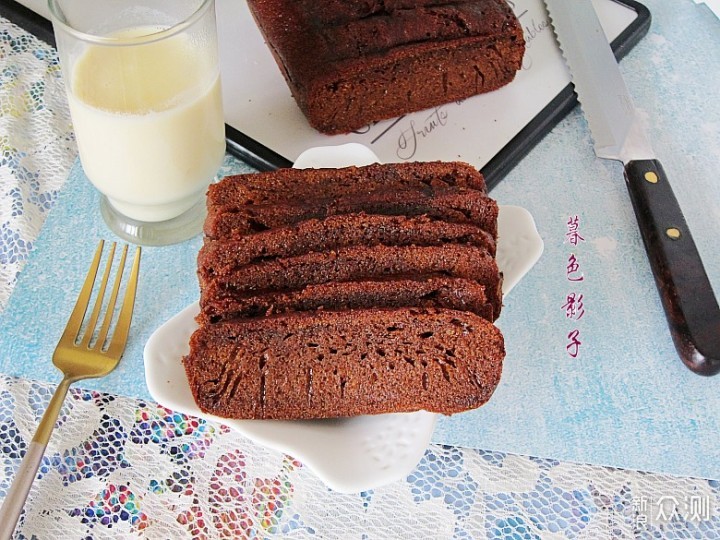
x,y
88,337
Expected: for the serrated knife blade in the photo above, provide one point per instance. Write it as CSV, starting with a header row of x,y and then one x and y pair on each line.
x,y
617,130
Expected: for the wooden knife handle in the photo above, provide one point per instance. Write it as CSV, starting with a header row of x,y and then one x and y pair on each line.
x,y
690,305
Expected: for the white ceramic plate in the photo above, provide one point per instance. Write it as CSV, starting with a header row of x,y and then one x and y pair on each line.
x,y
349,454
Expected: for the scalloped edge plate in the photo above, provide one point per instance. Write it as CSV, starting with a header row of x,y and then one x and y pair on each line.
x,y
348,454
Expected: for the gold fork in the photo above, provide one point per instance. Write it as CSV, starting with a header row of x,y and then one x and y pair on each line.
x,y
79,355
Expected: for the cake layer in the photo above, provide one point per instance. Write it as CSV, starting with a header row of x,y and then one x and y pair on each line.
x,y
435,291
218,257
349,63
360,263
455,205
290,185
335,364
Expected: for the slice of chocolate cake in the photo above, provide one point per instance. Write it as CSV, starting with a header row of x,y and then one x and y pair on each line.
x,y
435,291
220,257
455,205
360,263
345,363
289,185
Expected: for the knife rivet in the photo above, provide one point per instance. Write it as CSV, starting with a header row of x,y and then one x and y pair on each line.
x,y
651,177
673,233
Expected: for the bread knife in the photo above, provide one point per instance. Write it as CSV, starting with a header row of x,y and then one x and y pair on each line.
x,y
615,124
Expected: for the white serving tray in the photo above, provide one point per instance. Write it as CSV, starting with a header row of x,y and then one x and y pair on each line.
x,y
348,454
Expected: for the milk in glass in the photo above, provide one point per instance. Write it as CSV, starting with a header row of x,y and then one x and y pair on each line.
x,y
148,122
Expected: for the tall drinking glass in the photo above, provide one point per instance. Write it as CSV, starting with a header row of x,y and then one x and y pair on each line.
x,y
143,84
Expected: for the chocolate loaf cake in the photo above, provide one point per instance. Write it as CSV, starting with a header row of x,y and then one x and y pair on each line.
x,y
218,257
345,363
363,290
434,291
352,63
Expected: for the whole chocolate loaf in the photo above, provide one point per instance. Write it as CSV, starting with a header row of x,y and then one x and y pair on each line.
x,y
351,63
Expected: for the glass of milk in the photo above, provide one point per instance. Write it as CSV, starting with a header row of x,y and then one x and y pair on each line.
x,y
143,84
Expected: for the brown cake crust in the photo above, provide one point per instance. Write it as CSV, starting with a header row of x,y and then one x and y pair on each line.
x,y
433,291
346,363
352,63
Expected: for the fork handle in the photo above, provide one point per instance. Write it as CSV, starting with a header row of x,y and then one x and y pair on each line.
x,y
15,499
17,495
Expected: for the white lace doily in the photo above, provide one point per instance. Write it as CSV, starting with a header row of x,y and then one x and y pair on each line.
x,y
121,468
37,146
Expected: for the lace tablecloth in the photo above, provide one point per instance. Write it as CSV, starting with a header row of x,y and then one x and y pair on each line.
x,y
123,468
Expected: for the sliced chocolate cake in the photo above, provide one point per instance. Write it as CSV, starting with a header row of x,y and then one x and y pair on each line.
x,y
360,263
340,292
